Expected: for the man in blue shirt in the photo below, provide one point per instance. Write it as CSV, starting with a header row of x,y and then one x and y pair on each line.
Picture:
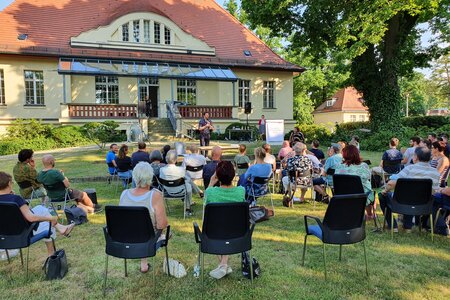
x,y
334,159
140,155
111,159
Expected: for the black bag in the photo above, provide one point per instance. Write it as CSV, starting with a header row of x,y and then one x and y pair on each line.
x,y
376,181
246,266
75,215
55,266
260,213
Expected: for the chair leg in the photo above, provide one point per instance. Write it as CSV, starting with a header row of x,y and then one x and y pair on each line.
x,y
365,258
202,269
28,256
251,266
304,250
125,264
340,252
106,275
392,226
432,229
154,271
54,245
9,260
324,261
384,221
21,256
420,223
437,216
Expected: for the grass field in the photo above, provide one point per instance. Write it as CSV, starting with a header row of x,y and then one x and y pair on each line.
x,y
409,267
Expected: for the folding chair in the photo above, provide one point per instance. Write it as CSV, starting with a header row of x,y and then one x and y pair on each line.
x,y
412,196
27,184
167,194
226,230
262,183
294,177
343,224
59,186
17,232
124,177
394,165
129,234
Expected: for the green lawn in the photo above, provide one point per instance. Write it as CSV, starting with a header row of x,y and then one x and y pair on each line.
x,y
410,267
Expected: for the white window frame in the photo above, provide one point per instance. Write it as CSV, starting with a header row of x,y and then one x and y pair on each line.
x,y
110,85
157,32
167,37
243,92
2,88
125,32
144,84
136,31
352,118
331,102
187,91
147,31
37,96
362,118
269,94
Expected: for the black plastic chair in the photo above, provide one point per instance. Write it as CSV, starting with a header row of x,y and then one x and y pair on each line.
x,y
182,194
394,165
243,166
17,232
261,181
412,196
129,234
196,169
226,230
343,224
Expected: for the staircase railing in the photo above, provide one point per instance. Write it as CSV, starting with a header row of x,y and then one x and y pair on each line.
x,y
181,128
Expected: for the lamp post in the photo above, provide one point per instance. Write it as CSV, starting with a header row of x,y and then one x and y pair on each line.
x,y
407,104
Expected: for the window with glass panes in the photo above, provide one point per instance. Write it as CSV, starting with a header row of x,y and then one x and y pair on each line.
x,y
34,87
106,89
125,34
166,36
136,31
156,33
352,118
187,91
362,118
244,92
2,88
146,31
268,94
144,85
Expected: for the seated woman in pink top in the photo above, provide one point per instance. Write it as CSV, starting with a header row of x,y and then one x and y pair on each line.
x,y
285,149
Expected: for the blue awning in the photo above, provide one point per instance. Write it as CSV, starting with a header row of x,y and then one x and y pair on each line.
x,y
81,66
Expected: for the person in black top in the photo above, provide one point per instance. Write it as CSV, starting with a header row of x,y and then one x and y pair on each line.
x,y
140,155
296,136
165,149
316,151
124,166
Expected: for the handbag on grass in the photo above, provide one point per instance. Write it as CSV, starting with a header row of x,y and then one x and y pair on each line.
x,y
176,268
260,213
55,267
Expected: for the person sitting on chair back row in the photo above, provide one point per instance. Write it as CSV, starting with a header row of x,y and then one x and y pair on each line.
x,y
25,172
194,160
225,193
210,168
140,155
111,159
50,176
124,166
420,169
141,195
241,159
39,213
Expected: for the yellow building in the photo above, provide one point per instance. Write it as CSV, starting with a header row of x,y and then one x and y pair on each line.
x,y
71,62
346,105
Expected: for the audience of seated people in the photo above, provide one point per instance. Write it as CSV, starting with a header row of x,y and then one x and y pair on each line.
x,y
111,159
419,169
172,172
124,165
258,169
224,193
391,160
334,159
270,159
444,138
39,213
409,153
210,168
49,176
142,195
301,165
140,155
285,149
241,159
25,175
440,161
156,162
316,151
194,159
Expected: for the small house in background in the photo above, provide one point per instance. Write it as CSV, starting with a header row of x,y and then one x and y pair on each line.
x,y
346,105
438,112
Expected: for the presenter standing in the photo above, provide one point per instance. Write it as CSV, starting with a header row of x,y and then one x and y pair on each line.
x,y
262,127
205,127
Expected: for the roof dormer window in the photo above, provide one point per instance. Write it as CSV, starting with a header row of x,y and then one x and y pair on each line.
x,y
331,102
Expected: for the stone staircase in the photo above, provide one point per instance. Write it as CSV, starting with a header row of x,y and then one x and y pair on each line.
x,y
161,130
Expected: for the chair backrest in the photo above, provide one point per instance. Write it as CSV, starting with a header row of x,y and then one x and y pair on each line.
x,y
12,221
367,161
392,166
129,224
330,171
261,180
243,166
413,191
58,186
345,212
171,183
226,220
194,169
24,184
347,184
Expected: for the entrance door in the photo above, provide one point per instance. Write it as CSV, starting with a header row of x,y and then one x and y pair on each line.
x,y
148,93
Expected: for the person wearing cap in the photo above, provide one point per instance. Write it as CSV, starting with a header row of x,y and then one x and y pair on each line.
x,y
334,159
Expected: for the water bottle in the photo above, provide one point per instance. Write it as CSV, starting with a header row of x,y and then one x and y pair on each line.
x,y
52,211
196,271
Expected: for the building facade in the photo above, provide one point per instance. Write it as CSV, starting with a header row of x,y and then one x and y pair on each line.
x,y
72,62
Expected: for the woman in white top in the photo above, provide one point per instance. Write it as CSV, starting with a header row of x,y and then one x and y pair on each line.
x,y
141,195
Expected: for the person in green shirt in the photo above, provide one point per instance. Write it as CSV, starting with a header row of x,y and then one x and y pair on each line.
x,y
25,175
225,193
241,158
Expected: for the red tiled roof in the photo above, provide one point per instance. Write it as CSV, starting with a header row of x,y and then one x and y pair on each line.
x,y
347,99
50,24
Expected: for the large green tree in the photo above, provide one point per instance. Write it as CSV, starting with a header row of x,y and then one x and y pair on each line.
x,y
377,38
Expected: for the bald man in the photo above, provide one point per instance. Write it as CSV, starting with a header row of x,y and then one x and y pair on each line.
x,y
210,168
50,176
